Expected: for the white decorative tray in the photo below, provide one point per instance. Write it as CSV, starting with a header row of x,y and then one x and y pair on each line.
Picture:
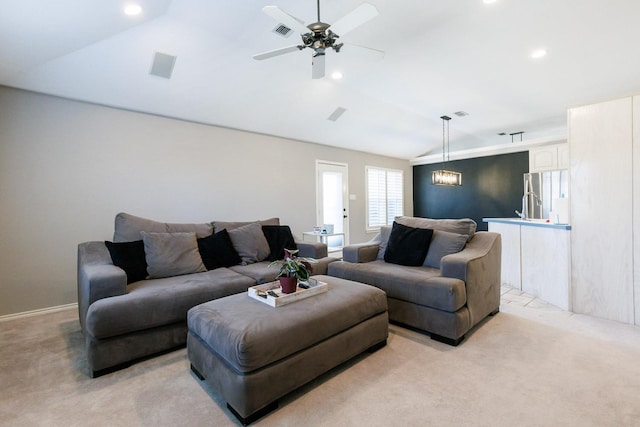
x,y
255,292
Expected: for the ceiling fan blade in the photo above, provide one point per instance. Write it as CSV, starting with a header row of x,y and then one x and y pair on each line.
x,y
317,67
283,17
354,19
276,52
363,51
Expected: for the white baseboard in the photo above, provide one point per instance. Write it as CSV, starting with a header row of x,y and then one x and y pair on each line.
x,y
38,312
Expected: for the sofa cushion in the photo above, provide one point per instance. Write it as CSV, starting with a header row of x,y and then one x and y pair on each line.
x,y
407,245
171,254
444,243
159,302
130,257
128,227
220,225
250,243
217,251
417,285
459,226
258,271
279,238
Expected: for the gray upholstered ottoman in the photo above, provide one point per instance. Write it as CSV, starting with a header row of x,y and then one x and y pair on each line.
x,y
253,354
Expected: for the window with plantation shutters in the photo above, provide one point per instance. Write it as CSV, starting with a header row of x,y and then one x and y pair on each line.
x,y
384,196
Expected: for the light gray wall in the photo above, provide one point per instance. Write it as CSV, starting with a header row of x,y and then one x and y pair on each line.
x,y
67,168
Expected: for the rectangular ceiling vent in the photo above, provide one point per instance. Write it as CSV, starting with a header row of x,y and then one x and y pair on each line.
x,y
336,114
162,65
283,30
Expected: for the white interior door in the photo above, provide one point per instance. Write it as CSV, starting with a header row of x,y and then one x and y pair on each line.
x,y
332,184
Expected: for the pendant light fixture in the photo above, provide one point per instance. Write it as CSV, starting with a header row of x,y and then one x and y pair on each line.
x,y
443,176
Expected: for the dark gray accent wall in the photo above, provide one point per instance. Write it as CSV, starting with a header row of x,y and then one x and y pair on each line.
x,y
491,187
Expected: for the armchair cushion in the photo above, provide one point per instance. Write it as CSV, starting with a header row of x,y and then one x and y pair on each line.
x,y
407,245
171,254
459,226
130,257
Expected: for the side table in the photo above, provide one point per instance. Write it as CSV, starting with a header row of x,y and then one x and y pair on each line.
x,y
324,238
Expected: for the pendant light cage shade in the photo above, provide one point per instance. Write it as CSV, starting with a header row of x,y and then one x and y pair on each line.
x,y
443,176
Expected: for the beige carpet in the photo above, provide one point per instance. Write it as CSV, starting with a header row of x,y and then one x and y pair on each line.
x,y
528,366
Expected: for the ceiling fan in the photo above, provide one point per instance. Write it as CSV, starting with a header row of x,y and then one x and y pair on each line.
x,y
320,36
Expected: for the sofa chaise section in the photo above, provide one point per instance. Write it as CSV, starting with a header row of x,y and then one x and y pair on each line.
x,y
122,322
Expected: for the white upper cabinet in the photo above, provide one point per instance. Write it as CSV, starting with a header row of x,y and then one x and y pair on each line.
x,y
549,157
563,156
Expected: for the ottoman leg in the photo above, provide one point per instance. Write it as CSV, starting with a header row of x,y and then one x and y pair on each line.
x,y
258,414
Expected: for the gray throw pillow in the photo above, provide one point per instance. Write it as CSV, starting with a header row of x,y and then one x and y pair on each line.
x,y
171,254
385,232
250,243
444,243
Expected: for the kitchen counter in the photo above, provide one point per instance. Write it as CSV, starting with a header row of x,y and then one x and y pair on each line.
x,y
536,258
528,222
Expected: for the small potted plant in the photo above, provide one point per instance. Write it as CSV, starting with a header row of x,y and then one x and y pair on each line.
x,y
292,269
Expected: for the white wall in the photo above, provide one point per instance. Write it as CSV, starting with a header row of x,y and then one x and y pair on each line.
x,y
602,197
67,168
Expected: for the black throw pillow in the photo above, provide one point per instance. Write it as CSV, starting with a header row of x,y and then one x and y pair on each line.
x,y
407,245
279,238
129,256
217,251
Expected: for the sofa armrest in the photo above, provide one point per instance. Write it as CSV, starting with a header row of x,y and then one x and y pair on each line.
x,y
361,252
479,266
97,276
314,250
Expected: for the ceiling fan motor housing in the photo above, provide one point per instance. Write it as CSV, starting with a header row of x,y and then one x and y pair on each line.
x,y
320,38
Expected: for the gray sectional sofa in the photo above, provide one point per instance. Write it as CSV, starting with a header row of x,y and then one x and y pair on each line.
x,y
455,288
126,316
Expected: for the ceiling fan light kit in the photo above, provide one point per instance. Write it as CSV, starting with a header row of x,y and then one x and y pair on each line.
x,y
318,36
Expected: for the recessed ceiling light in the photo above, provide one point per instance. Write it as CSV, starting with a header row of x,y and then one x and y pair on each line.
x,y
539,53
489,1
132,9
336,75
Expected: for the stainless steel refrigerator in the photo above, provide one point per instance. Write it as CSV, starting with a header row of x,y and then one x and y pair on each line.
x,y
542,191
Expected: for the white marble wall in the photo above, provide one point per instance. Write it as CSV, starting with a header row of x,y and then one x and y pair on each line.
x,y
546,261
537,260
600,139
510,269
636,205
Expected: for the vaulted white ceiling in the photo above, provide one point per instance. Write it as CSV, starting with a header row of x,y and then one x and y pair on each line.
x,y
440,57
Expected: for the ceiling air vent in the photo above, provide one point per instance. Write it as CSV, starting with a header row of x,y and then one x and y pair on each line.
x,y
461,113
283,30
162,65
336,114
